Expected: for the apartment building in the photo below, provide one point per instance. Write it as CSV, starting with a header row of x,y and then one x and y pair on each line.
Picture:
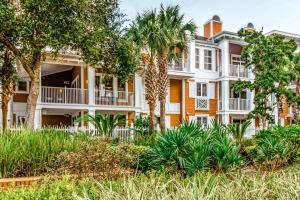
x,y
199,86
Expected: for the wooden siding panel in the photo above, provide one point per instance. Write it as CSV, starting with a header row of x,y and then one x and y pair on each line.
x,y
56,120
217,27
175,91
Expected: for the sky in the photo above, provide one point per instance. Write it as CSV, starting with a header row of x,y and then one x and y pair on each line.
x,y
283,15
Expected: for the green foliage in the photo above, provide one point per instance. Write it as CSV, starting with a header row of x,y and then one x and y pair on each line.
x,y
277,146
105,124
23,154
271,59
238,130
141,125
190,148
282,184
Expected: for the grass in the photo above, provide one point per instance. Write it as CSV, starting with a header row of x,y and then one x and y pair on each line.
x,y
283,184
22,154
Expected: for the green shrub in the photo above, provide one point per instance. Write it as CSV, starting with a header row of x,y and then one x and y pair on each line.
x,y
277,146
190,148
24,154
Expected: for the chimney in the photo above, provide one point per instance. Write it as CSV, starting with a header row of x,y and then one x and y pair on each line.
x,y
212,27
250,27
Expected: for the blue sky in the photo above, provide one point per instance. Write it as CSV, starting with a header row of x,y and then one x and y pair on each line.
x,y
281,15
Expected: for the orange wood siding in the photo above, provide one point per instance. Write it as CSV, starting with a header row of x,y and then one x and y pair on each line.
x,y
217,27
56,120
207,30
130,118
175,119
189,102
175,91
285,110
86,82
19,97
130,85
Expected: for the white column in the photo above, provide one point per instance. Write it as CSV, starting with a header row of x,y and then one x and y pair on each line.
x,y
91,86
38,118
115,87
225,95
183,100
191,53
91,112
138,90
225,57
225,118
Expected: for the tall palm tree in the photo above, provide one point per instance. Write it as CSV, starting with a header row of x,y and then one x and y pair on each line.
x,y
172,37
143,33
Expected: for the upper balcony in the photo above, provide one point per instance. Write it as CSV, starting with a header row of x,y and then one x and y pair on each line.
x,y
114,98
238,71
236,104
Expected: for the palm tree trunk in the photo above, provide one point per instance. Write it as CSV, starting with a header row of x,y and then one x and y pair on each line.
x,y
32,98
151,92
162,87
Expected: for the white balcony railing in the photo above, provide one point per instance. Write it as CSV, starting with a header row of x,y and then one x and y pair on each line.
x,y
236,104
63,95
181,65
239,71
116,98
201,104
239,104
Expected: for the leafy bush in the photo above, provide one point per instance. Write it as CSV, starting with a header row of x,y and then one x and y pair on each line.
x,y
141,125
277,146
190,148
24,154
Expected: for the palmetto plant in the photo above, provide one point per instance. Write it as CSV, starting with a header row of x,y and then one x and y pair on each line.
x,y
238,130
105,124
172,37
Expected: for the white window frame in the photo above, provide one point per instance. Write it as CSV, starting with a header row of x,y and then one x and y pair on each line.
x,y
197,58
202,117
236,56
21,91
211,58
202,83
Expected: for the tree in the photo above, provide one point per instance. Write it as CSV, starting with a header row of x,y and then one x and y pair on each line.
x,y
172,37
33,30
8,79
143,32
104,124
296,98
271,60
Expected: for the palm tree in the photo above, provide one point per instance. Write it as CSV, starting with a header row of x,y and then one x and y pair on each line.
x,y
172,37
104,124
143,33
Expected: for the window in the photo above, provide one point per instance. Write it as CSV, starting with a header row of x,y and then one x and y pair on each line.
x,y
236,60
207,59
23,87
201,90
202,120
197,58
121,86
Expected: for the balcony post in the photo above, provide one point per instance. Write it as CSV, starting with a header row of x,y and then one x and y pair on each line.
x,y
138,90
225,95
191,54
38,118
91,86
91,112
225,57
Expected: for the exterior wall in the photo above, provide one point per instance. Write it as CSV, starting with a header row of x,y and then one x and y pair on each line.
x,y
20,97
55,120
207,30
175,91
130,85
217,27
174,119
57,80
130,118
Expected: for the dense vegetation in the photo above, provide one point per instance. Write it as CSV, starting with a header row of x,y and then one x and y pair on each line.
x,y
283,184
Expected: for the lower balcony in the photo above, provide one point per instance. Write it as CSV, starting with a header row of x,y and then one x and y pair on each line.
x,y
114,98
63,95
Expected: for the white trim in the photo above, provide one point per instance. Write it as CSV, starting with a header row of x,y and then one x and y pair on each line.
x,y
22,92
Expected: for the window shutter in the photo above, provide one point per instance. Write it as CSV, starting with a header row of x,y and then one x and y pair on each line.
x,y
211,90
192,89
